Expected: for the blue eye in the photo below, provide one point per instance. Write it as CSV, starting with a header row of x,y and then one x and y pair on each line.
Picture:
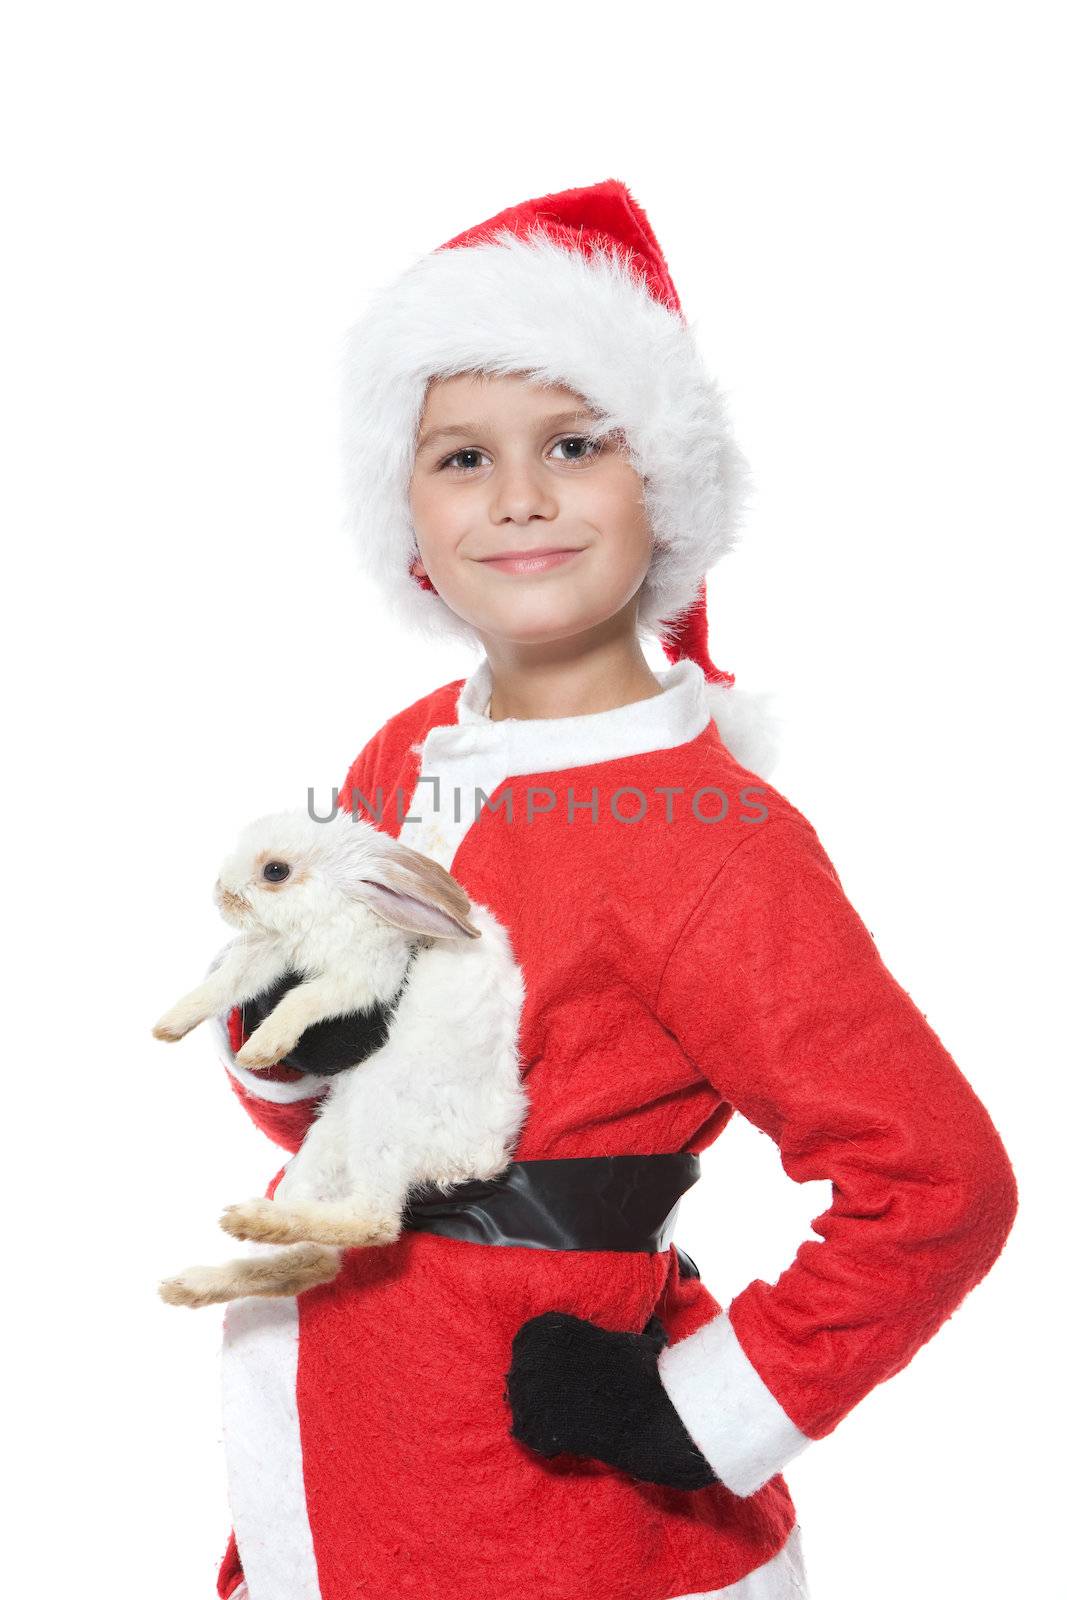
x,y
276,871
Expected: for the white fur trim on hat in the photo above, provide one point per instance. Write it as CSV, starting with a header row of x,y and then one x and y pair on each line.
x,y
530,304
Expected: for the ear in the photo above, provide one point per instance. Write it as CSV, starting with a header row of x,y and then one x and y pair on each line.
x,y
413,892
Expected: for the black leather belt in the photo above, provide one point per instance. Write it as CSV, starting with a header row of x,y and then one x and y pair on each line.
x,y
573,1203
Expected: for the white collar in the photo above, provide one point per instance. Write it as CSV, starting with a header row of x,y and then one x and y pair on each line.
x,y
546,744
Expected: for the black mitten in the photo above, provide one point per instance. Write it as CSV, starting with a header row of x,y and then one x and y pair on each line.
x,y
575,1386
326,1047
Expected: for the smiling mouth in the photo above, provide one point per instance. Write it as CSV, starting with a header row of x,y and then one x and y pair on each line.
x,y
528,560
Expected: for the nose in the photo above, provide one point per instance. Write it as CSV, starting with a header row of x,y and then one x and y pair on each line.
x,y
522,491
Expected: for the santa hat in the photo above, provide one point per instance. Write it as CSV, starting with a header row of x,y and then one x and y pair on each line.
x,y
570,289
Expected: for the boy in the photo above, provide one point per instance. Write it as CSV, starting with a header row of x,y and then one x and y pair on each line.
x,y
536,1393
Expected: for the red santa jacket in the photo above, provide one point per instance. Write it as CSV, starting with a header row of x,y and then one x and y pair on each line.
x,y
688,951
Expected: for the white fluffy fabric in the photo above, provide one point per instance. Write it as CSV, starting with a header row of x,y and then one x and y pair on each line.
x,y
750,725
264,1459
736,1421
530,304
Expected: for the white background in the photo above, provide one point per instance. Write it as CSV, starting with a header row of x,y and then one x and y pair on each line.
x,y
861,208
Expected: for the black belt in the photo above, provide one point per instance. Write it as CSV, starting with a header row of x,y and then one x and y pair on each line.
x,y
574,1203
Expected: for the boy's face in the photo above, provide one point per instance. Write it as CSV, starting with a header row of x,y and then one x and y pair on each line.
x,y
503,466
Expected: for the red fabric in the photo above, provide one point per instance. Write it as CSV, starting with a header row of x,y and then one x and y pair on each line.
x,y
597,217
813,1041
673,972
230,1574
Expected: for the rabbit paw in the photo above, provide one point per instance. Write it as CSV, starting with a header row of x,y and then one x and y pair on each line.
x,y
175,1024
196,1286
283,1273
264,1049
270,1223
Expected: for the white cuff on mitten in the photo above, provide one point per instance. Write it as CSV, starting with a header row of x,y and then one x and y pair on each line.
x,y
728,1410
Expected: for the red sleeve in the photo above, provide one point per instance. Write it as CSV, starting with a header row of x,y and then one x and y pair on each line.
x,y
778,995
280,1100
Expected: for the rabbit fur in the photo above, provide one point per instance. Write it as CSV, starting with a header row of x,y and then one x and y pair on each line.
x,y
365,920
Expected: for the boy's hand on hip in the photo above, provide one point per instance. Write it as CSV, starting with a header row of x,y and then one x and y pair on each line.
x,y
577,1387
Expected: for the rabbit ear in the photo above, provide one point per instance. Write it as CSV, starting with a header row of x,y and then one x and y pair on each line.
x,y
413,892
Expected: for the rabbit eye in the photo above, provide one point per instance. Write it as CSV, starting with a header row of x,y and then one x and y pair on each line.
x,y
276,871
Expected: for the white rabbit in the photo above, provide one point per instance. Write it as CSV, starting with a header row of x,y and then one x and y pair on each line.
x,y
352,911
